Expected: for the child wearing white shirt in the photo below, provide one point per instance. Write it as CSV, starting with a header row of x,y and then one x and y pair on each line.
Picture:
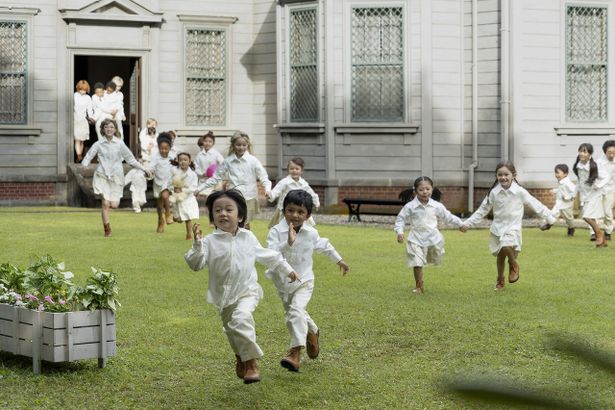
x,y
506,198
608,164
148,140
207,160
584,167
292,181
115,101
242,170
160,166
564,197
425,245
230,253
138,188
83,111
101,107
297,241
185,207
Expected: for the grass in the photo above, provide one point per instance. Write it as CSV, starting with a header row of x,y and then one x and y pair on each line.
x,y
381,346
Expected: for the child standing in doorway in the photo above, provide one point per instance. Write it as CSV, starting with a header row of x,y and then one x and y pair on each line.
x,y
160,166
230,253
242,170
564,197
185,181
297,241
506,198
425,244
208,159
83,111
148,140
102,110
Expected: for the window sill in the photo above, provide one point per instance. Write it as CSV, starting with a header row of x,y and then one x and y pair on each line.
x,y
581,130
19,131
301,127
377,128
199,132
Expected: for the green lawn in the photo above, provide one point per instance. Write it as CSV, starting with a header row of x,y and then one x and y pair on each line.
x,y
381,346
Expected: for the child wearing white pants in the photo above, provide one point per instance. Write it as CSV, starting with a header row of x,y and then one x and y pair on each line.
x,y
297,241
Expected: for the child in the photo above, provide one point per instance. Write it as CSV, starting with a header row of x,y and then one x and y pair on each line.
x,y
109,175
425,244
138,188
119,83
102,110
147,140
607,162
564,197
292,181
83,110
160,166
115,101
592,181
506,198
297,240
185,207
230,253
242,171
208,158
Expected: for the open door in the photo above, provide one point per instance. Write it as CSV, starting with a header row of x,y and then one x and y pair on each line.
x,y
135,120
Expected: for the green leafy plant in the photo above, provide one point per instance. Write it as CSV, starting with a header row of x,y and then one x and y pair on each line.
x,y
101,291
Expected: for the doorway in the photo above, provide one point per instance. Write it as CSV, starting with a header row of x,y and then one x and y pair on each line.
x,y
101,69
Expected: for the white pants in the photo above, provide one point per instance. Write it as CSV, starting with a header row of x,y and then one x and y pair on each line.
x,y
239,327
609,202
298,321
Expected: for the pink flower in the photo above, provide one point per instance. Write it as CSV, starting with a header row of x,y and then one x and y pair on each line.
x,y
48,299
30,296
62,302
41,307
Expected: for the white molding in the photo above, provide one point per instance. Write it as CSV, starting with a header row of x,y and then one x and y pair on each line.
x,y
134,13
207,19
19,11
376,128
563,131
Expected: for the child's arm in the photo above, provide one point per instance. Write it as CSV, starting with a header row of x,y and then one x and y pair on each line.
x,y
478,215
89,156
131,160
274,261
277,190
447,217
324,246
196,257
400,223
215,178
262,176
315,199
539,208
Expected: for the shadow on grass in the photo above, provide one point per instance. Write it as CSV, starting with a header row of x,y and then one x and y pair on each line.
x,y
18,363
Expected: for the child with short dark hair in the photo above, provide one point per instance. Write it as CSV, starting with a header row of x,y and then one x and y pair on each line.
x,y
297,241
229,254
160,166
208,159
185,181
564,197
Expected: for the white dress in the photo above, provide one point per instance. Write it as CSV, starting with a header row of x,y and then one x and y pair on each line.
x,y
82,109
188,209
161,168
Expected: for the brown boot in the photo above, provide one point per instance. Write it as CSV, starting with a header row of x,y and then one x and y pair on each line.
x,y
169,217
311,344
240,369
600,241
500,283
107,228
160,228
251,373
419,287
292,361
513,272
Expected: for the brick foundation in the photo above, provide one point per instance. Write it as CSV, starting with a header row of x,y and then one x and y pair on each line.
x,y
27,191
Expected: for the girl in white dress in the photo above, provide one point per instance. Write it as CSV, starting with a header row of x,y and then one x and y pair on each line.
x,y
506,198
185,207
108,178
83,110
160,166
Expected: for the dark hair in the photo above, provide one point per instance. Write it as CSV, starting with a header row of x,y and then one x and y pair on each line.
x,y
562,167
99,85
111,84
511,168
175,162
593,167
422,179
164,137
608,144
301,198
201,140
297,161
235,195
408,195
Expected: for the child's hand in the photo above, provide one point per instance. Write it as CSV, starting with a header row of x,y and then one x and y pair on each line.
x,y
464,228
293,276
400,238
344,268
292,235
148,174
196,231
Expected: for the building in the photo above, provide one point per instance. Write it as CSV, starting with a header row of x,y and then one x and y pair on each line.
x,y
371,93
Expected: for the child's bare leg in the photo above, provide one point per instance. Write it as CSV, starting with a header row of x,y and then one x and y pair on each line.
x,y
188,229
106,206
160,210
418,278
167,206
79,149
599,234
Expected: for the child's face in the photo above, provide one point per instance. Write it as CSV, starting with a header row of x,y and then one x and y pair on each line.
x,y
110,90
559,174
99,92
505,177
294,171
109,130
184,162
240,147
208,143
164,149
610,153
584,156
295,215
226,214
81,91
424,191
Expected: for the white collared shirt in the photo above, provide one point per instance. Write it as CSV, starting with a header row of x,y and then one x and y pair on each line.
x,y
161,167
111,153
299,254
507,205
287,184
599,183
423,221
145,140
242,174
230,260
564,194
205,159
83,106
191,181
609,169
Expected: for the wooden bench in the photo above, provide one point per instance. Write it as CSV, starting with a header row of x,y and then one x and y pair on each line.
x,y
354,207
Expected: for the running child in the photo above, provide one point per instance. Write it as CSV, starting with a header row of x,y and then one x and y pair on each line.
x,y
208,159
564,197
160,166
185,181
607,162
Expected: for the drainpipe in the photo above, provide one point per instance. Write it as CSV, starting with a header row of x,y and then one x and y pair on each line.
x,y
474,164
462,75
505,92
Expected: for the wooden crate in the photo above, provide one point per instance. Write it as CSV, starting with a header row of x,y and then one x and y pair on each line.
x,y
57,337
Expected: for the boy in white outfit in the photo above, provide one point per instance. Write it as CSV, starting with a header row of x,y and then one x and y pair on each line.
x,y
297,241
608,164
138,188
564,197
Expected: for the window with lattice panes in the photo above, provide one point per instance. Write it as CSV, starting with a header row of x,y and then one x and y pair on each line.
x,y
13,72
586,63
303,72
206,79
377,55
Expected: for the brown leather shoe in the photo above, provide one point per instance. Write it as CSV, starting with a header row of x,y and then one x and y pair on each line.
x,y
292,361
251,373
240,369
107,228
311,344
499,284
513,272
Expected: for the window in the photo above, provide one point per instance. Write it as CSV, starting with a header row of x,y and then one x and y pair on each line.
x,y
206,82
303,51
377,55
586,63
13,72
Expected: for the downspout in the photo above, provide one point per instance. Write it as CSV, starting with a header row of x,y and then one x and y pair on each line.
x,y
462,75
505,92
474,164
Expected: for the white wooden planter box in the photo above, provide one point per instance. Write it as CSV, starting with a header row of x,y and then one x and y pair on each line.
x,y
57,337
